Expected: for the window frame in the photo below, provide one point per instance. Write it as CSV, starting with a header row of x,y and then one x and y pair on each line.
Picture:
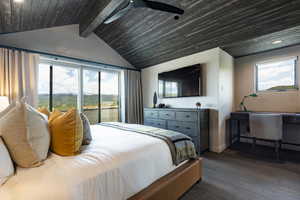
x,y
80,67
296,81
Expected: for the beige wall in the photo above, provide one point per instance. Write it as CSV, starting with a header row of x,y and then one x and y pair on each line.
x,y
215,76
65,41
268,101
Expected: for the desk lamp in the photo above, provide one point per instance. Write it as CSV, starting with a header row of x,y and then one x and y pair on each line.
x,y
242,104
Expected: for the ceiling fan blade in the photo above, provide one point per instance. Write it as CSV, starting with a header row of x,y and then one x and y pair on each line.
x,y
119,14
161,6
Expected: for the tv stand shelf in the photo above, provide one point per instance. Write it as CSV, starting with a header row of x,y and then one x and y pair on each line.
x,y
191,122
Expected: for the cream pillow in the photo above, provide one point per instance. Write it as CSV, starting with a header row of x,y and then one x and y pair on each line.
x,y
6,110
6,165
26,135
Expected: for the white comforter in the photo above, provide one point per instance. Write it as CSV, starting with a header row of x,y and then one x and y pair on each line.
x,y
115,166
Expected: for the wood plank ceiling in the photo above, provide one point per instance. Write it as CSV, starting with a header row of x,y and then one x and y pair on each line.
x,y
146,37
288,37
37,14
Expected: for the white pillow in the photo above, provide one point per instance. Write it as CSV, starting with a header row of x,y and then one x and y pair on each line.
x,y
6,165
25,133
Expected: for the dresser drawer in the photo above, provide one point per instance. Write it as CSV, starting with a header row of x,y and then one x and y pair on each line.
x,y
166,115
151,114
187,128
291,119
186,116
156,123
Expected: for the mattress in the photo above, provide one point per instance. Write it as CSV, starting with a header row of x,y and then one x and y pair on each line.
x,y
115,166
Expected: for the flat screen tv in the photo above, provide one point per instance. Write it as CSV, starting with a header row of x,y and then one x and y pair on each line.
x,y
183,82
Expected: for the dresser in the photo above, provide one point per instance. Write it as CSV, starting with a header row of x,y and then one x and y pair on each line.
x,y
191,122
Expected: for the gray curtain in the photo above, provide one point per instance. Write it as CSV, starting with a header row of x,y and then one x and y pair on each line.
x,y
19,75
133,97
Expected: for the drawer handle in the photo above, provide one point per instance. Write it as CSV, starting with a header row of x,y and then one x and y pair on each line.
x,y
158,124
167,114
177,126
188,128
187,116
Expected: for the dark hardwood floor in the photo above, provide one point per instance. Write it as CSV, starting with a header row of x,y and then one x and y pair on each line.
x,y
237,176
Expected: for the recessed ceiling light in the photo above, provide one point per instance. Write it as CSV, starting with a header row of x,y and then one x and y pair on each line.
x,y
277,42
19,1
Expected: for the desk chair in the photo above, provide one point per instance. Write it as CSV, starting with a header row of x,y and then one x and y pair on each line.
x,y
268,127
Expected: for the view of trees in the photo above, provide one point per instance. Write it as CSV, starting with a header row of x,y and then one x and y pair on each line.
x,y
66,101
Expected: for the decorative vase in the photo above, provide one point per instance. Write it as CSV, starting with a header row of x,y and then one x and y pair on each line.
x,y
198,105
154,100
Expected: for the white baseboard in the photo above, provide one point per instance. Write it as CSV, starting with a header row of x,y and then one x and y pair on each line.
x,y
218,149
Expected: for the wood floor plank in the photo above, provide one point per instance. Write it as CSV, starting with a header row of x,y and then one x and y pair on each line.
x,y
233,176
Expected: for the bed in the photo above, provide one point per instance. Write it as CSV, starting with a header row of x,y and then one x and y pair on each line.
x,y
117,165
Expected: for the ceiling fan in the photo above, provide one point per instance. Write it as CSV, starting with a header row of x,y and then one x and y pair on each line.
x,y
144,4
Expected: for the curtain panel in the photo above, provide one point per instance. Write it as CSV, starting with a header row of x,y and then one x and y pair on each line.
x,y
133,97
19,75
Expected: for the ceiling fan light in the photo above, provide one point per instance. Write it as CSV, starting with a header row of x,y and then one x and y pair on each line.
x,y
277,42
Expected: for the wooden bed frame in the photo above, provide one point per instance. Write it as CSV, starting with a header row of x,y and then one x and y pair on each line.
x,y
173,185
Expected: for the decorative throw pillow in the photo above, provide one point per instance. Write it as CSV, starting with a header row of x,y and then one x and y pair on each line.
x,y
87,136
26,135
54,115
7,109
66,132
45,111
6,165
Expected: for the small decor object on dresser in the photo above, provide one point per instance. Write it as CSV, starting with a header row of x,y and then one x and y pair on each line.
x,y
161,105
198,105
154,100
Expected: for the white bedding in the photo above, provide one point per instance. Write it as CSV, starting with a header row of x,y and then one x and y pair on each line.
x,y
115,166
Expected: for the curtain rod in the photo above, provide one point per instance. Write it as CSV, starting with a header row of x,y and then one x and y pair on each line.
x,y
55,56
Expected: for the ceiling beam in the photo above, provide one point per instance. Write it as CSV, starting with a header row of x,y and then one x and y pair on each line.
x,y
95,17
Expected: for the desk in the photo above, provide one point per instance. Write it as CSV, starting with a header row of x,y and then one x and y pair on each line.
x,y
239,127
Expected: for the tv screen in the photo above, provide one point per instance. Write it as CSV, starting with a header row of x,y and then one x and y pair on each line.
x,y
183,82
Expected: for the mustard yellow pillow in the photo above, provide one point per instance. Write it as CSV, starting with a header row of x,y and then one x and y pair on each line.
x,y
66,132
45,111
54,115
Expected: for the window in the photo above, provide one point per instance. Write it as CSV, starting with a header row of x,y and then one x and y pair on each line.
x,y
94,91
110,96
91,98
276,76
65,88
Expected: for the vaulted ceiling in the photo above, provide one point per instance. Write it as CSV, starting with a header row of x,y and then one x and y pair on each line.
x,y
146,37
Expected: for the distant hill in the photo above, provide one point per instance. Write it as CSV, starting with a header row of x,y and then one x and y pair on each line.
x,y
65,101
283,87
